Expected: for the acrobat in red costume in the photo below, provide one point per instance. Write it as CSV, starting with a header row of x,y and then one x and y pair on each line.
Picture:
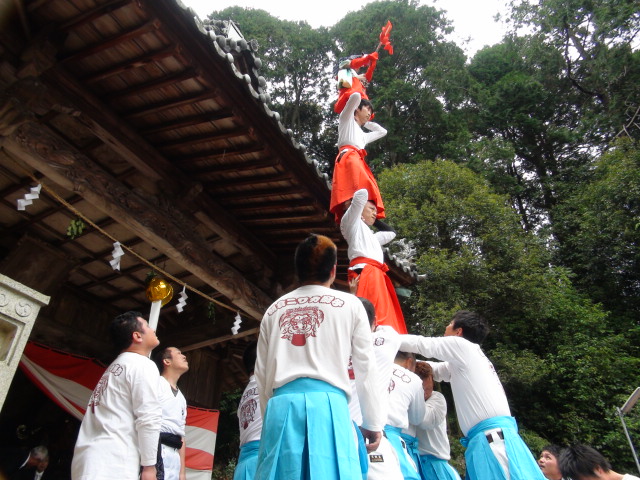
x,y
350,82
367,260
351,171
348,79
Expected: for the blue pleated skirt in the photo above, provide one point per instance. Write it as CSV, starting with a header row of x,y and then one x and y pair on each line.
x,y
307,434
247,461
434,468
408,467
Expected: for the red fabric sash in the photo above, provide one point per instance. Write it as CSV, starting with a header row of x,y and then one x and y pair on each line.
x,y
341,151
350,174
376,286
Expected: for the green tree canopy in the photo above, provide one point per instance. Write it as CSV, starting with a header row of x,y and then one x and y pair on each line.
x,y
418,90
600,223
295,58
563,365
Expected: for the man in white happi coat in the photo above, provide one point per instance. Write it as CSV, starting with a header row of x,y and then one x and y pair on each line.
x,y
406,409
494,449
306,339
249,420
433,442
366,260
383,463
118,436
172,364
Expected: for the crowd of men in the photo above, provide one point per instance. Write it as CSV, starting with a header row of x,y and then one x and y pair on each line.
x,y
335,391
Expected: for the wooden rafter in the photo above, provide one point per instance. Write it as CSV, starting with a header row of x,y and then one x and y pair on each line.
x,y
166,229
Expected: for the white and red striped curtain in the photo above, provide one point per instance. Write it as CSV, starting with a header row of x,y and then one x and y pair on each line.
x,y
69,380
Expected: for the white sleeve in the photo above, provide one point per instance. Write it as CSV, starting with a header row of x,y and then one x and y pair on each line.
x,y
349,222
451,349
441,371
265,387
350,108
371,394
375,132
385,237
147,410
417,406
435,411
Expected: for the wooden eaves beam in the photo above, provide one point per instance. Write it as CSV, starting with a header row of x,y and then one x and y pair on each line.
x,y
106,125
164,227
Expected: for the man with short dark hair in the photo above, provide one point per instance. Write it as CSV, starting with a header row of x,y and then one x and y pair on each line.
x,y
172,364
548,462
495,450
306,338
366,260
351,171
581,462
119,434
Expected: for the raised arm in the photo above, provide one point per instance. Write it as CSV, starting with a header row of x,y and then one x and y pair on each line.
x,y
349,222
375,132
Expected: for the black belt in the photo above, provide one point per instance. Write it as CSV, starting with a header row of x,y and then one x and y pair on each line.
x,y
490,436
171,440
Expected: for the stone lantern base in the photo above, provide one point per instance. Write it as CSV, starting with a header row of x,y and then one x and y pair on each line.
x,y
19,307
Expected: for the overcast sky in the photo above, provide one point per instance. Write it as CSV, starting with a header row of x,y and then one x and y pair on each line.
x,y
471,18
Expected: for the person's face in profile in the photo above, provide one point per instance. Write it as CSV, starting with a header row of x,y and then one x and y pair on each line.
x,y
548,464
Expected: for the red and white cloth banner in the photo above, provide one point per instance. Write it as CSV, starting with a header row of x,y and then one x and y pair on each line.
x,y
69,380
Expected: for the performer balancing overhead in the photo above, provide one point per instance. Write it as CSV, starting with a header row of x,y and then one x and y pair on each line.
x,y
367,260
351,171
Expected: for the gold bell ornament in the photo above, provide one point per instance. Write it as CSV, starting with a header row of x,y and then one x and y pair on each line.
x,y
159,293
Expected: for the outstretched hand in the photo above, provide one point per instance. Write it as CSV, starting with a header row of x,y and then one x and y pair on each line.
x,y
373,437
353,284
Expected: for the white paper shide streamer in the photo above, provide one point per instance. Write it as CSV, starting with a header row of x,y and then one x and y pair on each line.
x,y
183,300
29,197
236,324
116,254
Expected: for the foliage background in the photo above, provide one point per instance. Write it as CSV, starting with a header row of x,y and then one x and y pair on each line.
x,y
514,176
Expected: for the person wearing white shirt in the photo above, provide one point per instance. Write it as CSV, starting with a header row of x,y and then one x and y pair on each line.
x,y
172,364
581,462
249,420
433,442
306,339
366,260
406,408
495,450
118,437
351,171
383,463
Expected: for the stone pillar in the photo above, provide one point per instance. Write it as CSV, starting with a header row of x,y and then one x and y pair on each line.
x,y
19,307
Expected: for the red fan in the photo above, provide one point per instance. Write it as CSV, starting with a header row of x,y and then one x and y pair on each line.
x,y
384,38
